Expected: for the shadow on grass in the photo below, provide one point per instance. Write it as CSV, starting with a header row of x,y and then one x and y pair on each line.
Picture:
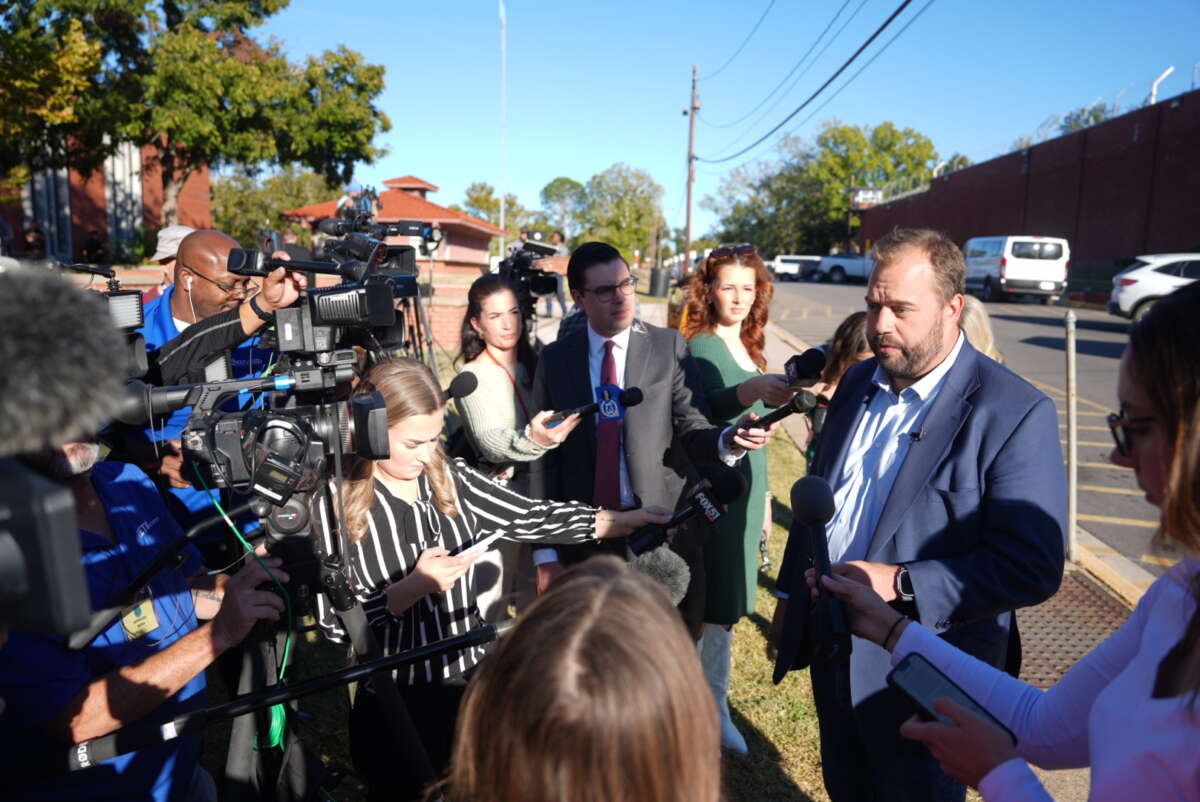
x,y
759,775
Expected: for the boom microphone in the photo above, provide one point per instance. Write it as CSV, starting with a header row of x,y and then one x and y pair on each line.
x,y
630,397
802,401
727,486
64,361
462,385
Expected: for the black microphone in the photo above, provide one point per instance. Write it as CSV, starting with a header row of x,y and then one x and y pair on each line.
x,y
666,568
812,508
462,385
804,370
630,397
802,401
336,227
727,486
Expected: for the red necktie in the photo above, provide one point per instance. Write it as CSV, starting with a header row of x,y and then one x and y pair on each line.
x,y
607,490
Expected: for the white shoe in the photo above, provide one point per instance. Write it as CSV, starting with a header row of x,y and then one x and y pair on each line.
x,y
715,645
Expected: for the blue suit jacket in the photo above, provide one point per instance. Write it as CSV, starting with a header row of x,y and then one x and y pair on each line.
x,y
977,513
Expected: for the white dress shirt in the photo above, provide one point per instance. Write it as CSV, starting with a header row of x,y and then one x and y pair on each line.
x,y
886,429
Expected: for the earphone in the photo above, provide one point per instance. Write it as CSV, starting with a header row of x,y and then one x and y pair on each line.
x,y
189,284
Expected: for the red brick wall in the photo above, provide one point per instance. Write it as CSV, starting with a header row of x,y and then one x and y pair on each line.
x,y
89,208
445,318
1116,190
195,200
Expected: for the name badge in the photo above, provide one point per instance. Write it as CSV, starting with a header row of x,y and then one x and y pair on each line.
x,y
139,619
608,397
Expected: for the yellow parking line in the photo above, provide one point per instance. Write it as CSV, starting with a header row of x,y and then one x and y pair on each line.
x,y
1102,465
1052,389
1108,519
1155,559
1121,491
1086,414
1086,428
1089,443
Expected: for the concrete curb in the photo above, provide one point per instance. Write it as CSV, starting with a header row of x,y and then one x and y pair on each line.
x,y
1122,576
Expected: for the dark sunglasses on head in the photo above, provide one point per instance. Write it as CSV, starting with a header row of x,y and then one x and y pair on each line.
x,y
1119,425
723,251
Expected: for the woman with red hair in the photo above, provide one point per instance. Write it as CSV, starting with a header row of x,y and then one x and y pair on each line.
x,y
727,310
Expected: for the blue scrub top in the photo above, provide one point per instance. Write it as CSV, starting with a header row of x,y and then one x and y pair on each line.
x,y
248,360
39,675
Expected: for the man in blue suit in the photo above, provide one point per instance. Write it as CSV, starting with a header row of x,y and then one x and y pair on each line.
x,y
950,499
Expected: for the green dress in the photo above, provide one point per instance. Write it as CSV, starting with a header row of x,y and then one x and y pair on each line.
x,y
731,555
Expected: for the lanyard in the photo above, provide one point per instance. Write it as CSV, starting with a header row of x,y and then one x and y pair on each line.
x,y
516,390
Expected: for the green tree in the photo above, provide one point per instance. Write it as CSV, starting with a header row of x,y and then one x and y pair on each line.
x,y
1021,143
244,204
1085,117
564,201
183,77
623,207
480,201
956,162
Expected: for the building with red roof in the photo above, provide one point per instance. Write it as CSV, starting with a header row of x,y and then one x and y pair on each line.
x,y
464,246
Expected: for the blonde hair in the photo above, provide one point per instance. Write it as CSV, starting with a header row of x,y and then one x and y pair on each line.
x,y
596,696
977,325
408,388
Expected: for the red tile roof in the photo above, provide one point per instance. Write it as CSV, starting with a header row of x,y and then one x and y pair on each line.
x,y
410,182
401,205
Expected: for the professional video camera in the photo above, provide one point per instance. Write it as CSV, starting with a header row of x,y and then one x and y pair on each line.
x,y
531,282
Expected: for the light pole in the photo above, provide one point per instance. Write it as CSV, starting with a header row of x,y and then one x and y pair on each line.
x,y
1157,81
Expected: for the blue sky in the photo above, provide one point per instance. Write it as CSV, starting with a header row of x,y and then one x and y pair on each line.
x,y
590,84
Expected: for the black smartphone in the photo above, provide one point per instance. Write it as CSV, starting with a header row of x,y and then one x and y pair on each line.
x,y
923,683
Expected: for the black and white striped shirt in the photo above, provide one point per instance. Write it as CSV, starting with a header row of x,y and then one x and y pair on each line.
x,y
399,531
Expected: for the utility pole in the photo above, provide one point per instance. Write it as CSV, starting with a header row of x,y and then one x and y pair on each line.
x,y
691,169
503,121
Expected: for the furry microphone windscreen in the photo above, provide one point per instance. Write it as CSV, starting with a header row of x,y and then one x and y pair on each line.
x,y
62,362
667,568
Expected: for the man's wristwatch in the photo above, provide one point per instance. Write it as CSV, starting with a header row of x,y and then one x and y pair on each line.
x,y
266,317
904,588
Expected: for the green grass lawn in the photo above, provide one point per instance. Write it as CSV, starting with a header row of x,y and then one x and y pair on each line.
x,y
779,722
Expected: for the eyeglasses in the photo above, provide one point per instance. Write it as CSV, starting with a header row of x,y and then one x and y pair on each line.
x,y
1122,435
745,249
238,288
605,291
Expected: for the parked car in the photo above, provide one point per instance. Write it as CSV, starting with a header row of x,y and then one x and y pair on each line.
x,y
1150,277
794,267
842,267
1002,267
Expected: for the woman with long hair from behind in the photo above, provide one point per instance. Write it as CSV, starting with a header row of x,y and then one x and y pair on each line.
x,y
410,521
728,299
497,422
1131,708
596,696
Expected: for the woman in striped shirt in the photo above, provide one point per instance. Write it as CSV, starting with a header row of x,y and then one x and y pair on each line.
x,y
407,520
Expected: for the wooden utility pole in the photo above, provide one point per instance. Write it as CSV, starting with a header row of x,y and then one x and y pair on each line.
x,y
691,171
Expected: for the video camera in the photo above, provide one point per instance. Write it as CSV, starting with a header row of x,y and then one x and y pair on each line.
x,y
530,282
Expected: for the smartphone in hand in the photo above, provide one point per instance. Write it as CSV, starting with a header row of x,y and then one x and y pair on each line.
x,y
923,684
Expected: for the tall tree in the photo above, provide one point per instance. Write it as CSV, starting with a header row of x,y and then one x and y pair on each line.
x,y
244,204
183,77
1085,117
480,201
624,205
564,201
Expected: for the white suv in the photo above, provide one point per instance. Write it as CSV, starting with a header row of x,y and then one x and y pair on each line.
x,y
1137,287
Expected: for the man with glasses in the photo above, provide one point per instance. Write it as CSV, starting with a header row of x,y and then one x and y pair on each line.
x,y
638,457
203,287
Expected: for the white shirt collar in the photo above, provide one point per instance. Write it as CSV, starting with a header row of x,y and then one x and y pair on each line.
x,y
596,342
927,383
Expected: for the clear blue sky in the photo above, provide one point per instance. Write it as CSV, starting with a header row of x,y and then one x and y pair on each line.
x,y
590,84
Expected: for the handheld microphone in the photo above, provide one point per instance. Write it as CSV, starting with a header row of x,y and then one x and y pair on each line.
x,y
667,569
802,401
727,486
462,385
629,397
804,370
812,508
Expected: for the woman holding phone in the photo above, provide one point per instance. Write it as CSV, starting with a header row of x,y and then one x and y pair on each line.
x,y
409,519
1129,709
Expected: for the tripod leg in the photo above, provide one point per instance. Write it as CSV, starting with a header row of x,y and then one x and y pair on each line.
x,y
241,780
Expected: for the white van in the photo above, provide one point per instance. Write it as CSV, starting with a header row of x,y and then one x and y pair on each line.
x,y
1001,267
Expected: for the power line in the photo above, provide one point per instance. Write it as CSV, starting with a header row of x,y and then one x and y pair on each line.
x,y
870,61
820,89
742,46
795,67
